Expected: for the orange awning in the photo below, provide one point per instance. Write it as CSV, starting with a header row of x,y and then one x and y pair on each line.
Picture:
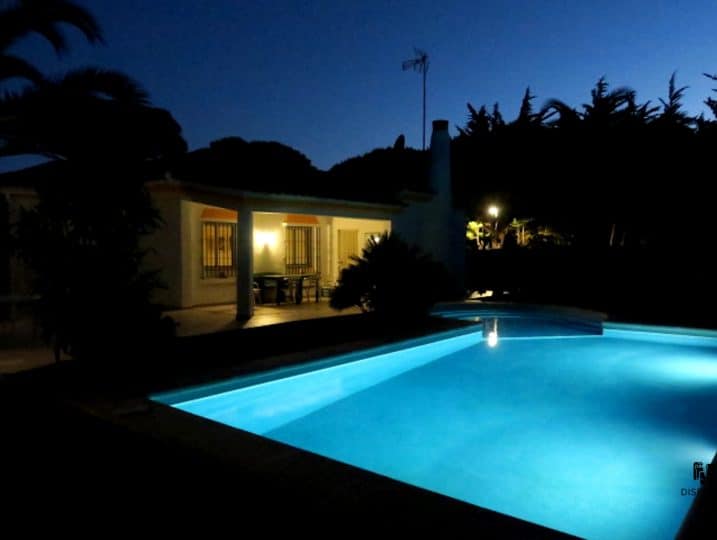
x,y
301,219
219,213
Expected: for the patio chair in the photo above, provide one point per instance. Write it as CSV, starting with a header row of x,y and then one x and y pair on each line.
x,y
310,286
273,290
256,292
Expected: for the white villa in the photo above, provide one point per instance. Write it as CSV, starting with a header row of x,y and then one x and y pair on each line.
x,y
217,239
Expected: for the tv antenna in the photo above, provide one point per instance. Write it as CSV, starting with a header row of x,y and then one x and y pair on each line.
x,y
420,64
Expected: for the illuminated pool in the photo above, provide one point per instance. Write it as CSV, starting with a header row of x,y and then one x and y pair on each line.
x,y
593,435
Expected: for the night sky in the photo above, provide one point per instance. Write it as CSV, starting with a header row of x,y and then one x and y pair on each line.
x,y
325,76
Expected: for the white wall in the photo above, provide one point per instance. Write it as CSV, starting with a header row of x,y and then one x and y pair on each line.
x,y
165,250
198,291
269,242
409,223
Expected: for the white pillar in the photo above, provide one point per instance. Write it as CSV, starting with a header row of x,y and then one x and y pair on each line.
x,y
245,263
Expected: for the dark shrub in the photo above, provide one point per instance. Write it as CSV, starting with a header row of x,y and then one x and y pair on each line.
x,y
87,262
392,278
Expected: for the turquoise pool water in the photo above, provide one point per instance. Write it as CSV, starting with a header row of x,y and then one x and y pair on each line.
x,y
593,435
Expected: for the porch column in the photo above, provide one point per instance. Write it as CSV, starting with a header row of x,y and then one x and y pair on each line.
x,y
245,263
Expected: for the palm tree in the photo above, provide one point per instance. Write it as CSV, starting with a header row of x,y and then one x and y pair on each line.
x,y
606,107
42,17
86,114
95,125
672,112
18,21
479,123
527,119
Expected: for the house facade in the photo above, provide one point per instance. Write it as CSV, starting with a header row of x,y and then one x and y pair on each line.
x,y
215,240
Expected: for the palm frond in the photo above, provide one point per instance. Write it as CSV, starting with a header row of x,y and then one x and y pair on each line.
x,y
43,17
98,82
564,111
15,67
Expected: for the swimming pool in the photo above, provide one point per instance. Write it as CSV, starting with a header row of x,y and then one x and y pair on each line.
x,y
593,434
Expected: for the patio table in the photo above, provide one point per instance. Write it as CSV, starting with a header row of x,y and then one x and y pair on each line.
x,y
293,283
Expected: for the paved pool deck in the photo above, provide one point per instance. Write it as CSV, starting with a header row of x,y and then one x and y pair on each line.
x,y
21,347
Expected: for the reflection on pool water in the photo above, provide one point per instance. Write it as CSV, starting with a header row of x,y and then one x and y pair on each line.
x,y
594,435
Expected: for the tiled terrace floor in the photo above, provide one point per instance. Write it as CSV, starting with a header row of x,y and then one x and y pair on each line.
x,y
205,320
20,349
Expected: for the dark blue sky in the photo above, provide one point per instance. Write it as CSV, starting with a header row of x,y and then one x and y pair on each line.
x,y
325,76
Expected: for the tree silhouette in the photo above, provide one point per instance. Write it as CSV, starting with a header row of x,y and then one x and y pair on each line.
x,y
526,117
88,114
479,123
590,171
672,113
711,102
496,119
82,239
380,174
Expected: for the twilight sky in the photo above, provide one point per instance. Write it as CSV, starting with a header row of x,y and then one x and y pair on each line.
x,y
324,76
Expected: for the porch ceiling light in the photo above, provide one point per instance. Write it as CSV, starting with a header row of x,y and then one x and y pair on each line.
x,y
265,239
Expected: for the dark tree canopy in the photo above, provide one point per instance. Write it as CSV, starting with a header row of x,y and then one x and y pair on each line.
x,y
384,172
613,164
253,166
273,167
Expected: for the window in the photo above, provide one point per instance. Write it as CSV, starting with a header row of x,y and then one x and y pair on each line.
x,y
218,246
302,249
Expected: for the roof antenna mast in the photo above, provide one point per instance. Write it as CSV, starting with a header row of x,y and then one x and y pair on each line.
x,y
420,64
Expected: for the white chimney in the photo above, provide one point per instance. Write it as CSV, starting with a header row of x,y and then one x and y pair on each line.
x,y
435,225
440,171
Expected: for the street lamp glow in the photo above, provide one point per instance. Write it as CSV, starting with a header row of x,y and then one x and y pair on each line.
x,y
493,211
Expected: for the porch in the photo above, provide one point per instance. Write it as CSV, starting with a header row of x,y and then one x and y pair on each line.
x,y
216,249
217,318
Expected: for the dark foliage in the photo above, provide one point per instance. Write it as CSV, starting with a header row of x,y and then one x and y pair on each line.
x,y
614,172
88,115
377,176
22,18
393,279
648,286
256,166
4,248
84,249
82,240
384,172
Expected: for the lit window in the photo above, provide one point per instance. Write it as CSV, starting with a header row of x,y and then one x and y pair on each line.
x,y
218,244
302,249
